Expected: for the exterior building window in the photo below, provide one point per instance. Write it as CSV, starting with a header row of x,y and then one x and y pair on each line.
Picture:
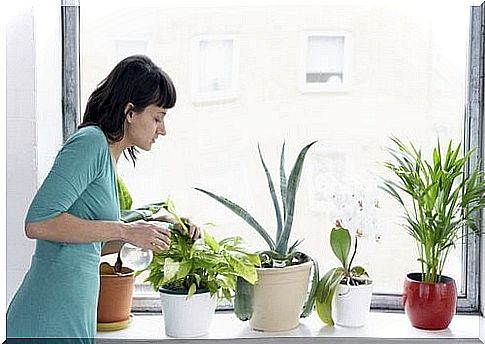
x,y
325,62
214,68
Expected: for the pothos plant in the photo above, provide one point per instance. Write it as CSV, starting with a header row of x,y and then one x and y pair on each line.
x,y
346,273
189,266
279,253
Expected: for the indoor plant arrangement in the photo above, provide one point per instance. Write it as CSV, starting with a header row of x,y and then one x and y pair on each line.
x,y
191,275
344,292
440,201
285,271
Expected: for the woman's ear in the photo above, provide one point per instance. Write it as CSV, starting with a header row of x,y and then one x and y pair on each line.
x,y
129,111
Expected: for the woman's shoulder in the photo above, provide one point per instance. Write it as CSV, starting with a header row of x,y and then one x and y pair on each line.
x,y
91,135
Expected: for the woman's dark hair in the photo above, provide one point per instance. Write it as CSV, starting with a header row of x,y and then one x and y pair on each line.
x,y
135,79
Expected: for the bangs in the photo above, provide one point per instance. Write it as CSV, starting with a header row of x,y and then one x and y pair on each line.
x,y
166,96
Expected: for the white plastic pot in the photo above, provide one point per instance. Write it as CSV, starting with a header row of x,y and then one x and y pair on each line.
x,y
187,317
351,305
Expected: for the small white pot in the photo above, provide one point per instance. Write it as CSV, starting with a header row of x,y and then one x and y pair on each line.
x,y
351,305
187,317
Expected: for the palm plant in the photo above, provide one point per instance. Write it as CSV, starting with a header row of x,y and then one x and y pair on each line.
x,y
444,199
279,254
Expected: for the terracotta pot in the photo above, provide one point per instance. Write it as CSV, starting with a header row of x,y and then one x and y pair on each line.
x,y
279,296
115,296
429,306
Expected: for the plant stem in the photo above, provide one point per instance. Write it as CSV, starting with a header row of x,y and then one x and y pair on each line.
x,y
353,255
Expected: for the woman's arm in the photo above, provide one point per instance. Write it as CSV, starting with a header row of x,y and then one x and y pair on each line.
x,y
71,229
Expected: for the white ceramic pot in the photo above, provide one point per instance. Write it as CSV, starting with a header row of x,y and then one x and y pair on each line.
x,y
187,317
351,305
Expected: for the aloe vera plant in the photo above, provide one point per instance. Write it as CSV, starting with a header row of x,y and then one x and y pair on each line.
x,y
443,199
279,253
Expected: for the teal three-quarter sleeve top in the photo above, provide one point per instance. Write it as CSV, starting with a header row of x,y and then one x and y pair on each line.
x,y
58,296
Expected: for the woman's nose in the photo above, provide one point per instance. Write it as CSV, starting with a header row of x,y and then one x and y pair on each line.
x,y
161,129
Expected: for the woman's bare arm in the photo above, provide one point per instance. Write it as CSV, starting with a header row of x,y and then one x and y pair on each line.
x,y
71,229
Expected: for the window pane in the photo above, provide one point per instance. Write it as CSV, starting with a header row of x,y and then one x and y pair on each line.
x,y
325,59
408,69
214,65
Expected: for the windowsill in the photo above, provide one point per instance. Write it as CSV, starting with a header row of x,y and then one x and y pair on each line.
x,y
380,326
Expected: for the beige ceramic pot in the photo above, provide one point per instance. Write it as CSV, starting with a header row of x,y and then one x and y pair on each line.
x,y
115,296
279,296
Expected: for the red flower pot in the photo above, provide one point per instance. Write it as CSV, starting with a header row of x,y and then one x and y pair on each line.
x,y
429,306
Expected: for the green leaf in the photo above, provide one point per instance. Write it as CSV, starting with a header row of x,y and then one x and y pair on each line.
x,y
292,187
170,269
340,241
236,209
283,183
308,307
325,293
192,290
211,242
279,223
243,270
243,300
123,195
358,271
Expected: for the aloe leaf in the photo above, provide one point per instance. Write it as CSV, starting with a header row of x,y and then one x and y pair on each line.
x,y
308,307
283,183
293,181
340,242
243,214
279,224
243,300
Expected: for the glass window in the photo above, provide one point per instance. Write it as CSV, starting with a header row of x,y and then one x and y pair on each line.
x,y
408,79
214,68
325,63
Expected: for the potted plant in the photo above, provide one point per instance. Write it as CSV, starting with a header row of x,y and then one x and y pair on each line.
x,y
193,274
344,293
284,270
116,283
440,201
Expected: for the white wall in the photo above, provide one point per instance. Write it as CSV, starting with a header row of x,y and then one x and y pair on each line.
x,y
33,120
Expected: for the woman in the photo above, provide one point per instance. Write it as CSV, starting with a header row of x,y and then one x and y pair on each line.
x,y
77,206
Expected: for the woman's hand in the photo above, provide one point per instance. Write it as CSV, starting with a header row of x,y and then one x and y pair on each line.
x,y
148,235
194,230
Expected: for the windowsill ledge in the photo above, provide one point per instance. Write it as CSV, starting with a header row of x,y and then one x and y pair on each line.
x,y
380,327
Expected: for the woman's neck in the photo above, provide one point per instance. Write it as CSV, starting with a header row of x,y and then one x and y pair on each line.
x,y
116,149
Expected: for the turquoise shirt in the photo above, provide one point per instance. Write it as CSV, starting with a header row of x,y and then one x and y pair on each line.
x,y
58,296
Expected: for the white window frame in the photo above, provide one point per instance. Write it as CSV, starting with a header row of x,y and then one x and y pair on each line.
x,y
322,87
230,94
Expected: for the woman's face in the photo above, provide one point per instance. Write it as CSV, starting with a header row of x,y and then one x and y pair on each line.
x,y
143,128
